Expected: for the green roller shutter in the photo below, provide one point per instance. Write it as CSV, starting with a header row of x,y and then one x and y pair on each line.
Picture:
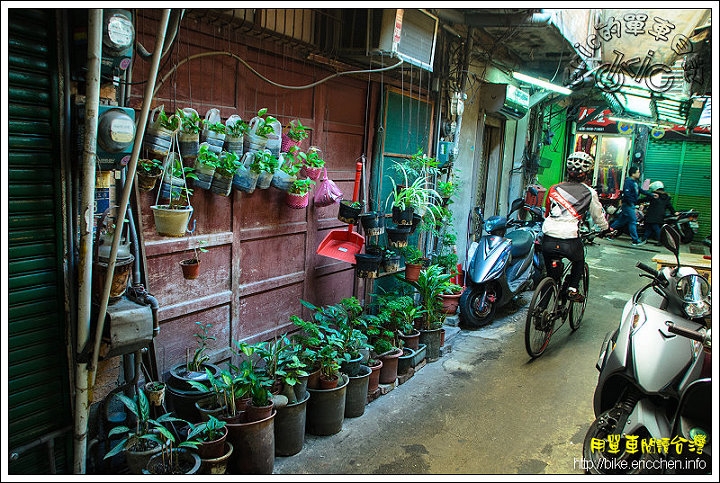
x,y
685,169
38,388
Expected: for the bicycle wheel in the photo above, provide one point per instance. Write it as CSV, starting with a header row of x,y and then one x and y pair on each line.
x,y
577,309
540,322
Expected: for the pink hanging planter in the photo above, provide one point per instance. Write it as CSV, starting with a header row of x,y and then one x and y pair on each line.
x,y
297,201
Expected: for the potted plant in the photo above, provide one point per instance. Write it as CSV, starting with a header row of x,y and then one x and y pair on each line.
x,y
155,392
175,458
158,134
257,381
417,165
413,261
294,135
282,364
214,131
390,261
385,340
298,194
312,162
147,437
205,165
225,169
410,198
194,368
172,217
189,134
148,172
288,171
210,435
191,266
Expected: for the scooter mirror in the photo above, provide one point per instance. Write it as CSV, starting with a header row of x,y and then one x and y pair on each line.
x,y
516,205
670,238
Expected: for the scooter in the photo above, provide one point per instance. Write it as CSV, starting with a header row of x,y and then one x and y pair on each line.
x,y
685,222
654,378
502,263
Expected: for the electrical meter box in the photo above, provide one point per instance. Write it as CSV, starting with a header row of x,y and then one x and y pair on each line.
x,y
115,135
117,40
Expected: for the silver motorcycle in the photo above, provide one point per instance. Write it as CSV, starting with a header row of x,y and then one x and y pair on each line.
x,y
651,402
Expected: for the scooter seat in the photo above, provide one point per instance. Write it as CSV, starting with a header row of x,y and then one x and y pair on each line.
x,y
522,242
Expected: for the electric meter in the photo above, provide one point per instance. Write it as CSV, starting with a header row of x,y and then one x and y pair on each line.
x,y
115,136
118,38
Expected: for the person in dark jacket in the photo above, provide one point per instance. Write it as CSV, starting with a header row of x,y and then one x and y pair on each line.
x,y
631,190
655,212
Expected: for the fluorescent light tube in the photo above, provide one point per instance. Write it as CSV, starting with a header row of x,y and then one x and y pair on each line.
x,y
541,83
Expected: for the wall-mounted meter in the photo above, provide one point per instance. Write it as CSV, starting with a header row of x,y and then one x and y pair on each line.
x,y
118,38
115,136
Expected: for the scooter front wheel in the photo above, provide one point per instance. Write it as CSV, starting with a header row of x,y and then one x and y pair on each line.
x,y
477,306
603,458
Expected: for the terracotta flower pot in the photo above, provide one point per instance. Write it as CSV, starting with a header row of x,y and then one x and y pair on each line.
x,y
190,268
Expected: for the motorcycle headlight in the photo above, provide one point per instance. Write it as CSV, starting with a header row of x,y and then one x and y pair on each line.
x,y
694,290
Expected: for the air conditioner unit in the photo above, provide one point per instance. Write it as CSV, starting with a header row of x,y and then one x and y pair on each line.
x,y
505,99
408,34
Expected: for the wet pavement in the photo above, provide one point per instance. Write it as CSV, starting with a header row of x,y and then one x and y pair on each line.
x,y
485,407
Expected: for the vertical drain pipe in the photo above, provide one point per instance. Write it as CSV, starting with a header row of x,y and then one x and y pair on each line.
x,y
92,101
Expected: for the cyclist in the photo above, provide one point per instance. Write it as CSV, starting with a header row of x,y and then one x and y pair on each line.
x,y
565,206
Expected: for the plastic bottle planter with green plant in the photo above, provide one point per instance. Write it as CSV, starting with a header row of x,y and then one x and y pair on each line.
x,y
226,168
256,136
205,164
298,195
189,134
265,164
158,134
312,163
288,172
214,135
235,129
295,134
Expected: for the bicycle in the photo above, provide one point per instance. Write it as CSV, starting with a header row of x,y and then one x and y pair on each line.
x,y
549,304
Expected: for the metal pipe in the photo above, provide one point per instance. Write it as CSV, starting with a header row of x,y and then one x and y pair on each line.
x,y
92,101
123,204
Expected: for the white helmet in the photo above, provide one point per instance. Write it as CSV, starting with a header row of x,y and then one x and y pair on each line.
x,y
579,163
656,185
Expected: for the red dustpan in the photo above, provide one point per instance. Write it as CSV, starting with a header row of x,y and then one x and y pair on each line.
x,y
344,244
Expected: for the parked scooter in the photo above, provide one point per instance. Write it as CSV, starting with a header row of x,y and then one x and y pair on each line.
x,y
652,401
502,263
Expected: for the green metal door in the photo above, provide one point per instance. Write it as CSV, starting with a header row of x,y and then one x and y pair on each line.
x,y
37,386
685,169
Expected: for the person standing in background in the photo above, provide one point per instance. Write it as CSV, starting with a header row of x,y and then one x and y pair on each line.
x,y
655,213
631,191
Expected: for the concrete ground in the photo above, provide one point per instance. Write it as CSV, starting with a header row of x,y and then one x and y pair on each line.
x,y
486,408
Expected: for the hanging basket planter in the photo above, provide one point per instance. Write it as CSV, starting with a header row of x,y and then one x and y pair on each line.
x,y
297,201
190,268
349,212
373,223
171,221
367,265
398,236
391,263
403,217
221,184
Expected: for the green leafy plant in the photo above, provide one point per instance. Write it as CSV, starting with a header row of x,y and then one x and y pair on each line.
x,y
227,164
189,121
209,430
312,159
207,157
217,127
264,126
296,131
148,432
431,283
417,195
301,186
238,128
412,254
290,165
255,382
149,167
171,123
264,161
200,357
418,165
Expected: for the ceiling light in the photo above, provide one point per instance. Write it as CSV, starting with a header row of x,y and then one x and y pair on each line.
x,y
638,121
541,83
